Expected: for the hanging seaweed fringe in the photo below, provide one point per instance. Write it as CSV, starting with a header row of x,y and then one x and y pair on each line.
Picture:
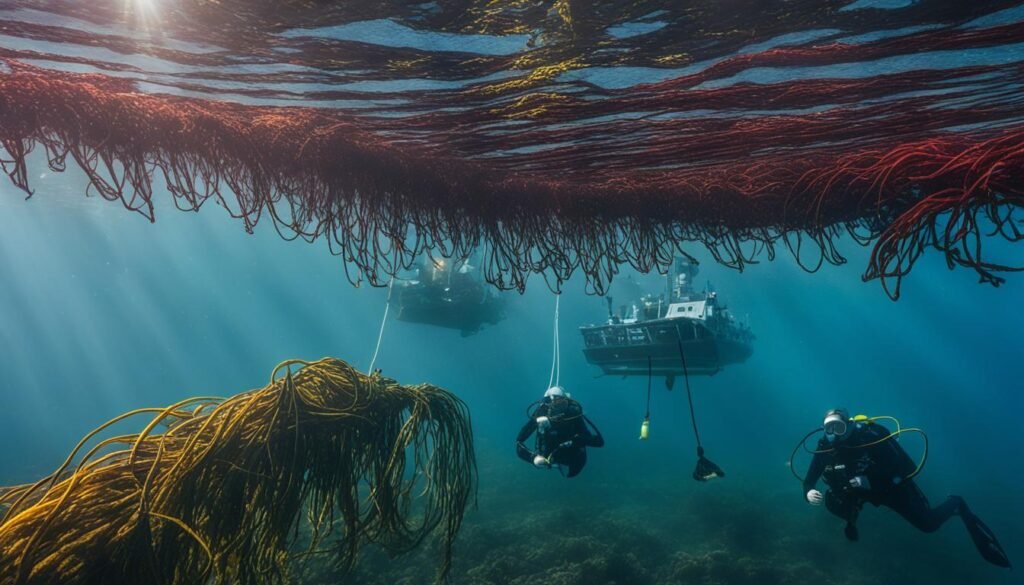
x,y
240,490
379,206
560,137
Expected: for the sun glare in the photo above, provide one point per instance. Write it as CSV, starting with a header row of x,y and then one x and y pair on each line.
x,y
145,14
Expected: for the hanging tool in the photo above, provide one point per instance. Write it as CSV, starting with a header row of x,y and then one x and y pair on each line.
x,y
706,469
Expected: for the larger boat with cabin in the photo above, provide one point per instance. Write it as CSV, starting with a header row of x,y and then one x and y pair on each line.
x,y
652,335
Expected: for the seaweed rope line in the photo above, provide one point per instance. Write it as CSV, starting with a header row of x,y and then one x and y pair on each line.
x,y
556,350
380,334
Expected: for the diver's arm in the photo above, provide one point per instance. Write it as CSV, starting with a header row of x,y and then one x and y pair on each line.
x,y
816,468
583,436
595,439
524,434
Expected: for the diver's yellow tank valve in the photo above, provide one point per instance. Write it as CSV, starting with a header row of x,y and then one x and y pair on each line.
x,y
644,429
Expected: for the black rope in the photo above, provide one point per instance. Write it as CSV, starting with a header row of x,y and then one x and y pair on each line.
x,y
689,395
706,469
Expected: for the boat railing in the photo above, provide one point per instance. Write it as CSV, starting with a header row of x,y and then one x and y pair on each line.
x,y
643,334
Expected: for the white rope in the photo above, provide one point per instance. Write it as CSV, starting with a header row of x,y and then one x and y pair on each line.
x,y
556,350
558,344
380,336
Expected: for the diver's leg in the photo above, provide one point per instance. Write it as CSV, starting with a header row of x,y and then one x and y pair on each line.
x,y
845,507
909,501
575,461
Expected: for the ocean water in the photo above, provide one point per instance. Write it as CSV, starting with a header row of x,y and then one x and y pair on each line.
x,y
102,312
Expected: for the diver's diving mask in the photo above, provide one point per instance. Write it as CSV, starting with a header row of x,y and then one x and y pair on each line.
x,y
836,423
557,399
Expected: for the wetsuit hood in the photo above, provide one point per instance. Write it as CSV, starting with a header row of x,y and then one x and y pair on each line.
x,y
556,391
837,424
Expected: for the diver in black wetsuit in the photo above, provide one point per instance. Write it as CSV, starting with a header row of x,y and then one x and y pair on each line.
x,y
860,462
563,433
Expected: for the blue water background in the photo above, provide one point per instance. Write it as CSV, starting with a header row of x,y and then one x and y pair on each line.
x,y
103,312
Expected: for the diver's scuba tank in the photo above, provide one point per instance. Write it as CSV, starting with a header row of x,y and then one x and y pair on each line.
x,y
862,421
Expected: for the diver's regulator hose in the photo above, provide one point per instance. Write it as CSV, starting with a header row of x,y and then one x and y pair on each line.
x,y
899,431
802,443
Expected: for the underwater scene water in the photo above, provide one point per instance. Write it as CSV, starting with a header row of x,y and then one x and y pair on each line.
x,y
103,313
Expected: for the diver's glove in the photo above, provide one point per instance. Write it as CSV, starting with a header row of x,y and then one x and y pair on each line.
x,y
543,423
860,483
815,498
541,462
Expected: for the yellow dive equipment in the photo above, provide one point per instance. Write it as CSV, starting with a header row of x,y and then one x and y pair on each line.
x,y
864,419
643,428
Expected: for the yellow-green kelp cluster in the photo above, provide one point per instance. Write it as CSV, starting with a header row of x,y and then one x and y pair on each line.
x,y
318,462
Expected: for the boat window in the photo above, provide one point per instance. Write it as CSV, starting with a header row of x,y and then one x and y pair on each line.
x,y
638,335
614,336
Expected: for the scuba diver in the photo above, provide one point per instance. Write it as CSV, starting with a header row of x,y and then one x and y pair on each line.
x,y
563,433
860,463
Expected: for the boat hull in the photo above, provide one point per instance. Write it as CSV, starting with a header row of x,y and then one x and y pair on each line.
x,y
624,349
467,317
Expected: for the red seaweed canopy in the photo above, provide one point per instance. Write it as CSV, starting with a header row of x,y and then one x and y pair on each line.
x,y
556,134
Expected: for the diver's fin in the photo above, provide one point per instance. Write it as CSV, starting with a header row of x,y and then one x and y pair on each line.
x,y
706,470
984,539
851,532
